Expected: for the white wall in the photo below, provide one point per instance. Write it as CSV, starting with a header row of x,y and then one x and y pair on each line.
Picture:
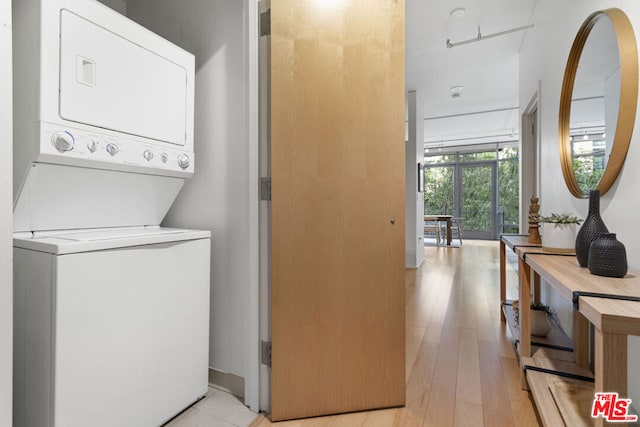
x,y
414,212
611,107
117,5
6,221
216,198
543,57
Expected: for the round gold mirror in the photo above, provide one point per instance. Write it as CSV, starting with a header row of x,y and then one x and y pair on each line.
x,y
598,102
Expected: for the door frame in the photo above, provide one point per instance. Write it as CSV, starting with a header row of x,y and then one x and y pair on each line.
x,y
264,170
252,381
6,216
530,185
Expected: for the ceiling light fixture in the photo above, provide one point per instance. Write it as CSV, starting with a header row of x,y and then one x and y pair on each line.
x,y
585,137
457,12
456,91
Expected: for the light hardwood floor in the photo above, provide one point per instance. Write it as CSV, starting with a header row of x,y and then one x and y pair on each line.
x,y
461,366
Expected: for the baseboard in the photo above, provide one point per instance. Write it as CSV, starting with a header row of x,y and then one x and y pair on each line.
x,y
230,383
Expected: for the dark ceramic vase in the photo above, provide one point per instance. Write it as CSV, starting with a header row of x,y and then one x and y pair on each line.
x,y
590,230
607,256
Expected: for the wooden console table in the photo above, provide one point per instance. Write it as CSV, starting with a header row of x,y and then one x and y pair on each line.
x,y
613,319
513,242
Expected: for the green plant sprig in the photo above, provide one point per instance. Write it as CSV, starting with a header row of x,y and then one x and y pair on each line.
x,y
537,306
555,218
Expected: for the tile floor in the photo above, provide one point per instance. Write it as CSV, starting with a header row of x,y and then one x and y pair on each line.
x,y
217,409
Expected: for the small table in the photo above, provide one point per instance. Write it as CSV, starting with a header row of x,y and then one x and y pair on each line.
x,y
442,218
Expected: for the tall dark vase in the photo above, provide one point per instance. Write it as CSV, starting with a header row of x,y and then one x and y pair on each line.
x,y
590,230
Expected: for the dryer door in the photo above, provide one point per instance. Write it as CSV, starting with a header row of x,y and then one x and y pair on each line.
x,y
110,82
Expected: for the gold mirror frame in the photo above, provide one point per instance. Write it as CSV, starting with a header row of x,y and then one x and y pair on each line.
x,y
628,53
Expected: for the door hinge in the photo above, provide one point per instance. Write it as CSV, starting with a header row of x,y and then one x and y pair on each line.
x,y
265,188
265,353
265,23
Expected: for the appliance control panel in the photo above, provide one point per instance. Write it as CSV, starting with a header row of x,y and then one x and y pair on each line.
x,y
92,148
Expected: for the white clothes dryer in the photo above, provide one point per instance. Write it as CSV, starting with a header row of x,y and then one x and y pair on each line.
x,y
111,326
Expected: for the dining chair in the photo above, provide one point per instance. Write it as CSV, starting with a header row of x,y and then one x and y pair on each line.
x,y
433,227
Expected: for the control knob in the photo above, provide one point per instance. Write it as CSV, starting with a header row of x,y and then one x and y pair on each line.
x,y
184,161
164,157
92,145
63,141
148,155
112,149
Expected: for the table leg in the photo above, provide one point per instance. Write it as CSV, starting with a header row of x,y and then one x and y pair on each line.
x,y
448,231
524,307
503,278
581,339
610,366
536,287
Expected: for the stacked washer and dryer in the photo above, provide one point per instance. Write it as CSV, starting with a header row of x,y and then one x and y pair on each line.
x,y
111,310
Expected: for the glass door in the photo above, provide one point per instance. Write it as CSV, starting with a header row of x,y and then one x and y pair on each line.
x,y
481,187
477,199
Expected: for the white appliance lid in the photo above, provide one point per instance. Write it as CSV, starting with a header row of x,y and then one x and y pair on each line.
x,y
68,242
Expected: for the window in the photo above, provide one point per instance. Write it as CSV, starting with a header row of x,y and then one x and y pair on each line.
x,y
509,192
588,156
480,185
438,189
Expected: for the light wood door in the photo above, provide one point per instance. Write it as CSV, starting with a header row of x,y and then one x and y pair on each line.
x,y
337,164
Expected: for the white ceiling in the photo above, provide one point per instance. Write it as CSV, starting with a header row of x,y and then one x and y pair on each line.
x,y
487,109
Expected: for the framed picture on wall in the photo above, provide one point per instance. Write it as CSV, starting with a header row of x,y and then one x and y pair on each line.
x,y
420,178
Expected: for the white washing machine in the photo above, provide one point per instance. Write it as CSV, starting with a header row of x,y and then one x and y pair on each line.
x,y
111,326
112,312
